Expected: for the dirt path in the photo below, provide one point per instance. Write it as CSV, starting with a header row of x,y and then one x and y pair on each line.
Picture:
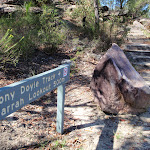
x,y
103,132
98,131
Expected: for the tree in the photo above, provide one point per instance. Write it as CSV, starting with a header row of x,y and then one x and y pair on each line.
x,y
121,3
96,8
138,7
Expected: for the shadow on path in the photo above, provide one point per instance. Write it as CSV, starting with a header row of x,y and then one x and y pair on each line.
x,y
106,139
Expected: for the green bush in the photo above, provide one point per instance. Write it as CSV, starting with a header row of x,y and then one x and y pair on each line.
x,y
8,51
110,27
51,32
22,24
85,8
39,30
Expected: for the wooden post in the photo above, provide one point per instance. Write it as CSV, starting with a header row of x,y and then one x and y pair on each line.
x,y
60,108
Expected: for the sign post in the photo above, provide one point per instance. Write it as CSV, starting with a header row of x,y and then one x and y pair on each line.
x,y
60,108
14,96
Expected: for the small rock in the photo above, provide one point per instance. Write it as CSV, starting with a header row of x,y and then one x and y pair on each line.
x,y
148,124
12,118
22,125
68,61
145,21
7,1
35,10
106,117
145,116
10,138
74,49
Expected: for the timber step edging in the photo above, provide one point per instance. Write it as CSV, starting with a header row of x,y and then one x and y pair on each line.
x,y
143,64
138,51
137,47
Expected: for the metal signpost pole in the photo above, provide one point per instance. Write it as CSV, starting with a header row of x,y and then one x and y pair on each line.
x,y
60,108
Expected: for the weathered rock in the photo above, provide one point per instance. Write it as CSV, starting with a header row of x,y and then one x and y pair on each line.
x,y
19,2
6,8
138,25
36,10
7,1
146,23
117,86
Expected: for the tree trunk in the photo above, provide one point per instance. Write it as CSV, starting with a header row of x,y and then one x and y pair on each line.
x,y
121,4
96,15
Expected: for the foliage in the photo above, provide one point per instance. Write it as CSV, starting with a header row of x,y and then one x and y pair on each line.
x,y
58,144
121,3
8,51
23,24
110,3
135,8
39,30
117,136
85,8
110,27
42,2
51,31
138,8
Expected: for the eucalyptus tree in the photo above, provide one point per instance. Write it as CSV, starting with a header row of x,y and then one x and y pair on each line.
x,y
121,3
135,8
138,7
96,8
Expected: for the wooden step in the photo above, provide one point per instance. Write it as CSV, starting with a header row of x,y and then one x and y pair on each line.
x,y
146,76
138,51
141,58
142,64
148,83
139,40
145,47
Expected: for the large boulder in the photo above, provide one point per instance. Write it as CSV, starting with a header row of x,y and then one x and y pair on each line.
x,y
118,88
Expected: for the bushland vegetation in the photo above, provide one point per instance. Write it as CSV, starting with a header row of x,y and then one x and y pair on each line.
x,y
23,32
112,22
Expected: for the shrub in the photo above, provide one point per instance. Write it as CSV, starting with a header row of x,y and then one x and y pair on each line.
x,y
85,8
22,24
43,29
51,32
8,51
110,27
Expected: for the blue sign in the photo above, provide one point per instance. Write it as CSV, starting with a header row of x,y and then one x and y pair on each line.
x,y
16,95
